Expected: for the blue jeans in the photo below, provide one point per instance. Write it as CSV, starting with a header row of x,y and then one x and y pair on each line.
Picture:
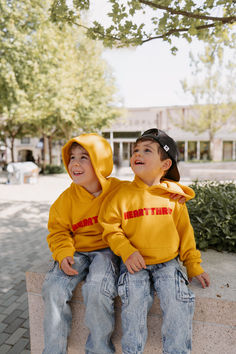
x,y
176,301
100,269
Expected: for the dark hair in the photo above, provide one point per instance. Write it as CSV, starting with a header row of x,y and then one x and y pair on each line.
x,y
162,153
74,145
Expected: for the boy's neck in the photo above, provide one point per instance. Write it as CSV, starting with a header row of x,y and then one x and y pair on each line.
x,y
95,188
152,181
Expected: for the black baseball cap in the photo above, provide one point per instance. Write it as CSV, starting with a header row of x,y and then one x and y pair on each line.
x,y
167,144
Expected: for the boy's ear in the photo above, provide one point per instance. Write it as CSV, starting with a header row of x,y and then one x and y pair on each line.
x,y
166,164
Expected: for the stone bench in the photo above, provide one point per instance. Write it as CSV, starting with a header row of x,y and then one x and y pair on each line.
x,y
214,325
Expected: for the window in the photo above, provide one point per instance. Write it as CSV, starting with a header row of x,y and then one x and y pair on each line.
x,y
181,148
126,134
227,150
204,150
192,150
106,135
25,140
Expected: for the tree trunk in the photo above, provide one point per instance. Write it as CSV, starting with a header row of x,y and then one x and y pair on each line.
x,y
50,149
44,152
12,149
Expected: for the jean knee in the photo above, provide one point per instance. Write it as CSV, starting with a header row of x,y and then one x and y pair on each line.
x,y
135,287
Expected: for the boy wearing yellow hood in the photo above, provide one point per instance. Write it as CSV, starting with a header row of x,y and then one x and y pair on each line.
x,y
75,240
148,230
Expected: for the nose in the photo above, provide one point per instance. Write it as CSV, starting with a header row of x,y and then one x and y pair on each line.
x,y
76,162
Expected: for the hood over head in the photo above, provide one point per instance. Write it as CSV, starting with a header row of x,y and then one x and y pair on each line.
x,y
99,150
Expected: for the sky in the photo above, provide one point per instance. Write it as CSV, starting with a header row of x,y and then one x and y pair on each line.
x,y
148,75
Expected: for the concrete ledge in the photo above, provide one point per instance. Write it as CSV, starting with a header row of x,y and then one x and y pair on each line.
x,y
214,326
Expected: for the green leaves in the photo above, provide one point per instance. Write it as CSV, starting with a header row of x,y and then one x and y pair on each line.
x,y
52,78
165,19
213,215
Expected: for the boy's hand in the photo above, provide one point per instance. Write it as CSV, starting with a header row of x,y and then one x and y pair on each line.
x,y
66,266
135,262
203,278
180,198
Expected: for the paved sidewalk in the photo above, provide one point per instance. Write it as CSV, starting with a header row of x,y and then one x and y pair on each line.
x,y
23,230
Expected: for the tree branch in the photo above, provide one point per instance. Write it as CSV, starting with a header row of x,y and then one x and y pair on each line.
x,y
229,19
177,30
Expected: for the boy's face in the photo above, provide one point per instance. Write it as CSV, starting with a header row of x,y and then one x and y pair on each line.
x,y
146,162
82,171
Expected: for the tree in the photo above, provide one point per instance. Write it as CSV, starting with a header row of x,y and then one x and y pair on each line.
x,y
53,82
212,88
135,22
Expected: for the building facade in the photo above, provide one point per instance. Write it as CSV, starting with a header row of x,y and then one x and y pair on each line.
x,y
124,131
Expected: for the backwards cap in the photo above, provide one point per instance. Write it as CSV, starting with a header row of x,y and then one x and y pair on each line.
x,y
167,144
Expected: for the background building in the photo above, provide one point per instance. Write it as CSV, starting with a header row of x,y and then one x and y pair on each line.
x,y
124,131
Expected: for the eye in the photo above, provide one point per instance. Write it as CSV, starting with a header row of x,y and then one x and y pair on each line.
x,y
84,157
147,150
135,150
72,157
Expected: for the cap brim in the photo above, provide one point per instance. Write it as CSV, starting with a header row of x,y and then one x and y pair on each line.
x,y
173,174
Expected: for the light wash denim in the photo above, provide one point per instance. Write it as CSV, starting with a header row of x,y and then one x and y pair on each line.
x,y
100,270
176,301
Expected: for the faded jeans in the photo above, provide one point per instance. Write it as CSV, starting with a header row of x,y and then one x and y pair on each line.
x,y
176,301
100,269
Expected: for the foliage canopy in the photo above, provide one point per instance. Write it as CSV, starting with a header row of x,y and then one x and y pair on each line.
x,y
134,22
53,80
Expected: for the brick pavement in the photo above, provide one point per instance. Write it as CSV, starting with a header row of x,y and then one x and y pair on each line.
x,y
23,229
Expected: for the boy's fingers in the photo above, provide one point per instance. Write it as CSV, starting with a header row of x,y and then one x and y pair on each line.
x,y
142,262
66,266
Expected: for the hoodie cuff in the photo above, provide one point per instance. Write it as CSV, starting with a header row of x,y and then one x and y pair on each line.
x,y
194,269
125,251
68,252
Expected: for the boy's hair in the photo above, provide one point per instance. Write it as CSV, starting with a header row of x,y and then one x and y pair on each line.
x,y
168,150
74,145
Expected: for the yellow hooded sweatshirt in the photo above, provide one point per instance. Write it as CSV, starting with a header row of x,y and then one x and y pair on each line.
x,y
73,218
142,218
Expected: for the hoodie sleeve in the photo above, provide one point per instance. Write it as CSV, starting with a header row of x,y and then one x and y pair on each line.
x,y
60,239
188,253
177,188
113,234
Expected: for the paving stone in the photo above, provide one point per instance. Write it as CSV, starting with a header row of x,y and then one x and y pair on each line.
x,y
9,319
22,295
10,300
18,347
25,314
3,338
2,326
15,336
11,308
5,348
13,326
23,306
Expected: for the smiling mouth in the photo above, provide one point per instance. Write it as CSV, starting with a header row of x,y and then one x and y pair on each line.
x,y
138,163
77,173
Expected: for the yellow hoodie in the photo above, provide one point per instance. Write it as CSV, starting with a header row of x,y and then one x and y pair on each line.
x,y
142,218
73,218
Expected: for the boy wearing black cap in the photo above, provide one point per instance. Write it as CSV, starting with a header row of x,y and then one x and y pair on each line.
x,y
149,231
